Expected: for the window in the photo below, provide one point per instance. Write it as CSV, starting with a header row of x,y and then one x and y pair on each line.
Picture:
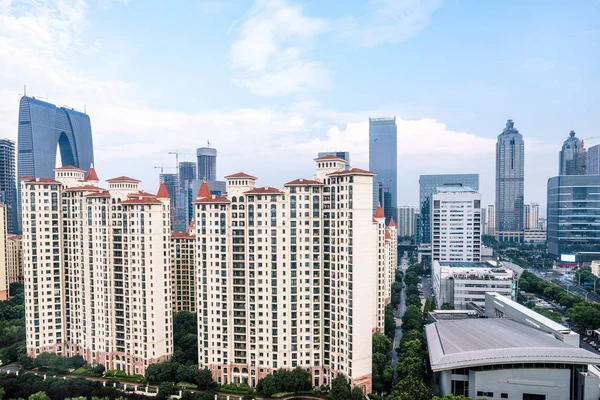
x,y
504,395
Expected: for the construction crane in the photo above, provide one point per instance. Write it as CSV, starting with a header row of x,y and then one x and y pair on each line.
x,y
177,153
583,163
161,167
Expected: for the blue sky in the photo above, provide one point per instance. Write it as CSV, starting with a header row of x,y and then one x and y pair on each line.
x,y
271,83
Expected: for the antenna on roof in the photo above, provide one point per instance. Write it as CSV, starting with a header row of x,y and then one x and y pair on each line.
x,y
208,142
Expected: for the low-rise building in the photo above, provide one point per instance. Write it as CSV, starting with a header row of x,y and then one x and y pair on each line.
x,y
460,283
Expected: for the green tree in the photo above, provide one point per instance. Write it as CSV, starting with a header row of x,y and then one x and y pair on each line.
x,y
203,379
166,390
39,396
411,388
390,322
447,306
340,388
357,394
381,343
584,316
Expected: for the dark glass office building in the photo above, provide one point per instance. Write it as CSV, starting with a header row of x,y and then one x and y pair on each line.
x,y
510,168
8,186
207,163
171,181
574,216
571,157
428,185
383,160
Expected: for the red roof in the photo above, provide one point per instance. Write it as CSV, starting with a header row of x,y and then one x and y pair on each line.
x,y
212,199
329,157
182,235
123,179
42,180
163,193
104,193
142,200
83,188
92,175
25,177
71,167
379,212
353,171
387,235
140,193
204,190
392,224
264,190
240,175
303,182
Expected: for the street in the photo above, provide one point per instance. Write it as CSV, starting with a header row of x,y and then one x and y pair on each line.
x,y
400,312
571,287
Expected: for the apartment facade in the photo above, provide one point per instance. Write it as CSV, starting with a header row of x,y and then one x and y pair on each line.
x,y
456,224
406,220
183,269
288,277
14,259
4,285
97,270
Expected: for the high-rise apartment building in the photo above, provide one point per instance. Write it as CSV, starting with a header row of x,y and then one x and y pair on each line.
x,y
573,218
572,157
97,270
428,185
510,168
345,155
14,259
183,269
592,160
406,220
456,224
383,160
4,285
207,164
8,185
491,220
291,277
531,215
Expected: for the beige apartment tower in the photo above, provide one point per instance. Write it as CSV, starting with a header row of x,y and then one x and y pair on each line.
x,y
97,270
4,284
14,259
183,269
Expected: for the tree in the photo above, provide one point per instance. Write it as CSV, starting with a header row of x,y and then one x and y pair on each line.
x,y
98,369
584,316
381,343
39,396
340,388
165,390
203,379
357,393
411,388
447,306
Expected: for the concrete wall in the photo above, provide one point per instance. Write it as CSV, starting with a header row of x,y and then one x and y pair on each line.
x,y
553,383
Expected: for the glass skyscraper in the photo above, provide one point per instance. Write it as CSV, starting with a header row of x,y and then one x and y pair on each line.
x,y
187,174
573,215
171,181
510,167
572,157
383,160
341,154
207,163
592,160
428,185
8,186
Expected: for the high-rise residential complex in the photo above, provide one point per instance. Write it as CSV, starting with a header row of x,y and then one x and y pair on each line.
x,y
207,163
406,220
14,259
292,277
383,160
428,185
592,160
4,285
572,156
456,224
573,218
340,154
491,220
8,185
510,168
183,269
99,260
531,215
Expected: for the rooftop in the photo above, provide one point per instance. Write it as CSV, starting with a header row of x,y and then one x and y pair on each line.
x,y
476,342
455,189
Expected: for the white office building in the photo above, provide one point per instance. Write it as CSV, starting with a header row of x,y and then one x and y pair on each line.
x,y
456,224
531,216
406,220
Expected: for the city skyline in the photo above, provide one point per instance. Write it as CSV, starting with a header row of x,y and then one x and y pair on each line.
x,y
246,106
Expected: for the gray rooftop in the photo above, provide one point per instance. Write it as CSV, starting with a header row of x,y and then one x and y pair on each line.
x,y
475,342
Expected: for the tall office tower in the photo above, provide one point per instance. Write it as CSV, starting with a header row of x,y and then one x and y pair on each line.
x,y
14,259
3,266
592,160
207,163
572,157
483,221
417,227
187,175
531,215
289,276
183,269
105,254
456,224
510,168
491,220
8,183
345,155
573,219
428,185
383,160
171,181
406,220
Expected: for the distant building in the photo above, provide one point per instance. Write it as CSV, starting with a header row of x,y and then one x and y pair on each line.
x,y
4,285
592,160
207,164
171,181
460,283
531,216
383,160
345,155
573,217
14,259
571,157
8,185
428,185
534,236
185,210
491,220
183,270
456,224
406,220
510,169
595,265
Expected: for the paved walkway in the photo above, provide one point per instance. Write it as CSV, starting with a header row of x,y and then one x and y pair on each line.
x,y
399,313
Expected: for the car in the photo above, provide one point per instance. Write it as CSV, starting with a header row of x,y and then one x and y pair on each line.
x,y
593,343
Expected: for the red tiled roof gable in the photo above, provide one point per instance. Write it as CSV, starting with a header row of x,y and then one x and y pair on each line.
x,y
379,212
240,175
392,224
264,190
353,171
83,188
42,180
204,190
212,199
92,175
69,167
104,193
142,200
163,193
123,179
303,182
329,157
